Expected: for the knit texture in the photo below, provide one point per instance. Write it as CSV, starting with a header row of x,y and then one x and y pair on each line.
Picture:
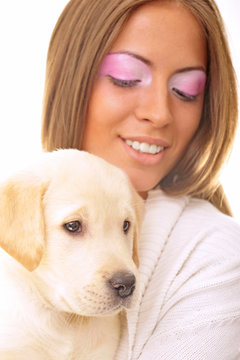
x,y
189,304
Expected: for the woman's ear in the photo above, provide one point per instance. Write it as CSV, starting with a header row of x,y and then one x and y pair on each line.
x,y
22,229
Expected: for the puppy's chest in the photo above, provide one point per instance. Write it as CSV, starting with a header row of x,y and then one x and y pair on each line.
x,y
81,340
57,340
65,343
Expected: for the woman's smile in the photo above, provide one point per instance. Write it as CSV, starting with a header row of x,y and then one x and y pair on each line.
x,y
146,103
147,151
144,147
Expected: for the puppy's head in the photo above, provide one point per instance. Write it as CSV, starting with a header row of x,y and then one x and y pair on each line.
x,y
74,220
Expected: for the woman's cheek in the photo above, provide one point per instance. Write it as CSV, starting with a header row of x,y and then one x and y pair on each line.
x,y
115,99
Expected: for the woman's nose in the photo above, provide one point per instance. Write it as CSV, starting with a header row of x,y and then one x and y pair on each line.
x,y
154,106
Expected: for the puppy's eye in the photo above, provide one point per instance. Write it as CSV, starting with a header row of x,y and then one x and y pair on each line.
x,y
126,226
73,227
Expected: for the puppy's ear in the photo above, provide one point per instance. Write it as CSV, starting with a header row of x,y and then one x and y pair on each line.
x,y
22,230
135,249
139,210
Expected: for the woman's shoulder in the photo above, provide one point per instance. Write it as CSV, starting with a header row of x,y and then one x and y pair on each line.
x,y
188,236
192,217
212,223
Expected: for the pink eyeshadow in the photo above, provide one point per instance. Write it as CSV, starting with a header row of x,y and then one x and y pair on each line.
x,y
125,67
190,82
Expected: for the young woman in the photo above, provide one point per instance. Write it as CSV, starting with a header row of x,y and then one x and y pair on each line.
x,y
149,86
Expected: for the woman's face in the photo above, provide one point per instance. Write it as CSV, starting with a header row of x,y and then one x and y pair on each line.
x,y
147,101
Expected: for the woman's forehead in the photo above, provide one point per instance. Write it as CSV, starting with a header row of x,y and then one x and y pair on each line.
x,y
163,31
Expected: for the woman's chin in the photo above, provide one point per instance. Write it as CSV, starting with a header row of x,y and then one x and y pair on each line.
x,y
143,187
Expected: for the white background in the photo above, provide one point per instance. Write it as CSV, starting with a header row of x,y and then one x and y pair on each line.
x,y
25,30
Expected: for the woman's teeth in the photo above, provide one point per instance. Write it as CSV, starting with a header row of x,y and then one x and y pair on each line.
x,y
144,147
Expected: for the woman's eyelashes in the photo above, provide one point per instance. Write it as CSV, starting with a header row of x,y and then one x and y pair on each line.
x,y
125,70
181,95
188,85
124,83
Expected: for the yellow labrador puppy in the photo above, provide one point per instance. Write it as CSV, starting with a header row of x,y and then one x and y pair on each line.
x,y
68,263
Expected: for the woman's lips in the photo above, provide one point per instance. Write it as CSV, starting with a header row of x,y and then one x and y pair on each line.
x,y
148,140
147,151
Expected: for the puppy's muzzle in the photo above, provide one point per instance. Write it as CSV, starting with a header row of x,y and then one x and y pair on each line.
x,y
123,284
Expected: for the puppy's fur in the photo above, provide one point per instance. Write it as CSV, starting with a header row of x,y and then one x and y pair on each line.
x,y
68,256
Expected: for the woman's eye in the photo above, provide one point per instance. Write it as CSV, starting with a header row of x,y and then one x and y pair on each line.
x,y
125,70
181,95
123,83
188,85
73,227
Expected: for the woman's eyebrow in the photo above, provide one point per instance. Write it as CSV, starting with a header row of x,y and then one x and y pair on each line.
x,y
191,68
136,56
148,62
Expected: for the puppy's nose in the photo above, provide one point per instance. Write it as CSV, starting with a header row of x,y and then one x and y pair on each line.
x,y
123,283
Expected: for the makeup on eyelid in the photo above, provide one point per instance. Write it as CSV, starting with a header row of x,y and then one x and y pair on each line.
x,y
127,70
126,67
191,82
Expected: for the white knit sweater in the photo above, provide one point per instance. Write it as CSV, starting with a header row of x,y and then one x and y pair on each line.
x,y
189,306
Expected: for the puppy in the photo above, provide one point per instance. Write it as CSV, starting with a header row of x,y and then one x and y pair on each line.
x,y
68,263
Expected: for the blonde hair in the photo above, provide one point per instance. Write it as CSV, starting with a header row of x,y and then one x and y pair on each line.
x,y
84,34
